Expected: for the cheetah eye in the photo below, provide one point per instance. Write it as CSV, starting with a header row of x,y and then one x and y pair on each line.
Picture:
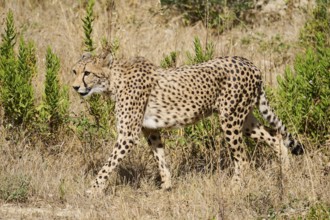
x,y
74,72
87,73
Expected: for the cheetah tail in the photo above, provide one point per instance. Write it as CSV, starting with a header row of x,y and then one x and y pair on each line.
x,y
267,113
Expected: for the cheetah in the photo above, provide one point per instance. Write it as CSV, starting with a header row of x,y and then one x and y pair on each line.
x,y
148,99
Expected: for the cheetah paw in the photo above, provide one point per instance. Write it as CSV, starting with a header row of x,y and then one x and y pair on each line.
x,y
166,186
93,193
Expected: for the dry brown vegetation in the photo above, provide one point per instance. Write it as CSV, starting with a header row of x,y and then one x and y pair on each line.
x,y
49,180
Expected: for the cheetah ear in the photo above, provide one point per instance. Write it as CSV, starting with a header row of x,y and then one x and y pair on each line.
x,y
106,59
86,55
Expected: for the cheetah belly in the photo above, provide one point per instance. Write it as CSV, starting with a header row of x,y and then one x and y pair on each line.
x,y
174,102
155,118
151,122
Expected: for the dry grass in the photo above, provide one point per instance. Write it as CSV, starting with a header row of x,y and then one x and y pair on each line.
x,y
57,183
48,182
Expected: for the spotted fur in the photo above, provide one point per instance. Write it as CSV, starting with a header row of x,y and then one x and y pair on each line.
x,y
149,99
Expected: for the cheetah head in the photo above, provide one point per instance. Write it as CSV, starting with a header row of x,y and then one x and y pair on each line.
x,y
90,74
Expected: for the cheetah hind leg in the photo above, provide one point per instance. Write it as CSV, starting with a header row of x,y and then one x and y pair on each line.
x,y
252,128
154,141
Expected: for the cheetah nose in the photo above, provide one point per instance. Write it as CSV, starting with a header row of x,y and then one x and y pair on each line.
x,y
76,87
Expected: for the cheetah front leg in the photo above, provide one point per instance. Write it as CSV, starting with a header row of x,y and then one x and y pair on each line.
x,y
122,147
232,116
154,140
234,139
129,115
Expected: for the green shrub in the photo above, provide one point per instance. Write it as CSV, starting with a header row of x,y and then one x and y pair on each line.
x,y
220,14
88,26
17,96
14,188
304,91
54,109
8,38
169,61
200,55
318,27
318,211
7,55
304,94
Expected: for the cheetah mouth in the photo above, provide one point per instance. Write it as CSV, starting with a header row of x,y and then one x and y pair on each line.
x,y
84,94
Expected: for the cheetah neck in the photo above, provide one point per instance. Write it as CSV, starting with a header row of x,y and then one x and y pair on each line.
x,y
113,77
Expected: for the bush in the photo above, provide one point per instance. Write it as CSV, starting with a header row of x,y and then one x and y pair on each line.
x,y
17,96
318,27
7,56
304,91
200,55
14,188
8,38
304,94
169,61
54,109
87,25
216,14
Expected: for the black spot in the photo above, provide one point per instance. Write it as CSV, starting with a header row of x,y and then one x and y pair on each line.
x,y
240,140
269,117
298,149
153,137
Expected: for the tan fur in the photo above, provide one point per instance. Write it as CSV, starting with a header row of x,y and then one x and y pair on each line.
x,y
149,99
